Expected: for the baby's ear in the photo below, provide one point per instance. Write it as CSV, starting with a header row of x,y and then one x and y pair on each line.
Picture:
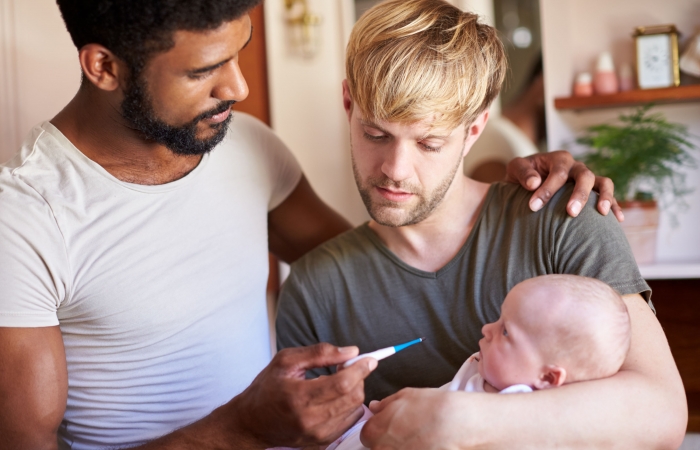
x,y
551,376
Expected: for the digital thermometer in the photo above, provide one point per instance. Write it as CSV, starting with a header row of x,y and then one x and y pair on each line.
x,y
381,353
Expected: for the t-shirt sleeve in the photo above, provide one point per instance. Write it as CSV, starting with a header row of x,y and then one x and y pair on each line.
x,y
284,170
33,262
595,246
298,317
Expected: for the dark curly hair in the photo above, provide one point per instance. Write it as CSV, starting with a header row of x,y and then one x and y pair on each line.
x,y
135,30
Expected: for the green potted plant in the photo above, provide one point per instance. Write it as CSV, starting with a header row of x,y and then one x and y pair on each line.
x,y
642,156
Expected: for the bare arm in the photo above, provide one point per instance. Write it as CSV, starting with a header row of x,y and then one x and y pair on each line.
x,y
302,222
34,390
280,407
33,387
642,406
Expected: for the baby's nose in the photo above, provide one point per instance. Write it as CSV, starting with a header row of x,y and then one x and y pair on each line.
x,y
486,330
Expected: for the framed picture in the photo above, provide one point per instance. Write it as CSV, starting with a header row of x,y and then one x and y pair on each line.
x,y
657,56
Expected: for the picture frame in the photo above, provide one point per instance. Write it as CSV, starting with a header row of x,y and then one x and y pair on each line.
x,y
657,56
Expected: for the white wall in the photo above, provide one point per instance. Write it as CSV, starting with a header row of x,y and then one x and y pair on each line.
x,y
39,69
306,103
8,113
574,33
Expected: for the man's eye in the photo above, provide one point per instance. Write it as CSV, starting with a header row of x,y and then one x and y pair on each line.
x,y
372,137
429,148
199,76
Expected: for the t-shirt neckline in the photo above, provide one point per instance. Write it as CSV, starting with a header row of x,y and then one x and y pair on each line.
x,y
145,188
372,236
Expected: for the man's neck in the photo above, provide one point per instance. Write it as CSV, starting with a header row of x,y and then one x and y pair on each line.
x,y
432,243
94,126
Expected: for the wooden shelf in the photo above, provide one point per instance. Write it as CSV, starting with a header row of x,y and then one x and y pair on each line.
x,y
630,98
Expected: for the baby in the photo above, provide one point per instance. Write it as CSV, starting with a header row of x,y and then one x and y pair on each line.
x,y
553,330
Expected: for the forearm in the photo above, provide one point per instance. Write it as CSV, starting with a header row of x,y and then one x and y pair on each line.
x,y
625,411
642,406
220,430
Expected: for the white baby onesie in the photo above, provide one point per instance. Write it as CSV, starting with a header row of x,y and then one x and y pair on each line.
x,y
467,379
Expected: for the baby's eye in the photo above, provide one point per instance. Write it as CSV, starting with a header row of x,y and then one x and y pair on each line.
x,y
505,332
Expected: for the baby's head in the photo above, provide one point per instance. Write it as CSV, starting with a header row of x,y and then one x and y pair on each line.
x,y
555,329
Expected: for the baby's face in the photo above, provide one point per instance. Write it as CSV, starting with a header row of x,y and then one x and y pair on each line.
x,y
509,351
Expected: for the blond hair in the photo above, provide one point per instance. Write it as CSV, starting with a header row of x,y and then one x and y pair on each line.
x,y
414,60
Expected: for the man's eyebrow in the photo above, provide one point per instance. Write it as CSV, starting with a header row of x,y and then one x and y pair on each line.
x,y
369,123
220,63
436,136
209,68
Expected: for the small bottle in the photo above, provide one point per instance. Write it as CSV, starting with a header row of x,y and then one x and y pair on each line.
x,y
605,80
583,86
626,78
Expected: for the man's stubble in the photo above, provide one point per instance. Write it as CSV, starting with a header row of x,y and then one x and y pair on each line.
x,y
382,213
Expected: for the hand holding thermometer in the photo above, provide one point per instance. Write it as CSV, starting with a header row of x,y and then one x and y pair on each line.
x,y
381,353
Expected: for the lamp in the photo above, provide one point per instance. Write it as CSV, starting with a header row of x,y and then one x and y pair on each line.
x,y
302,23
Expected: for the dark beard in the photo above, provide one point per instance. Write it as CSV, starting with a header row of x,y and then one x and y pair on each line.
x,y
137,109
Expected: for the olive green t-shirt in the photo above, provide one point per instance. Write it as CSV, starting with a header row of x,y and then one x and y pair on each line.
x,y
353,290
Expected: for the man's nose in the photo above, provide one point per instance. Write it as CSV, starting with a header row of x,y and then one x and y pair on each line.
x,y
231,83
397,164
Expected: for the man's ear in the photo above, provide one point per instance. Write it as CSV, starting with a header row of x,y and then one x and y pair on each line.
x,y
474,131
551,376
101,67
347,99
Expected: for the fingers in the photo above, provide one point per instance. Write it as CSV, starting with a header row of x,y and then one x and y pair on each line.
x,y
584,180
377,406
554,166
374,432
282,406
329,405
523,171
557,176
300,359
323,424
617,210
342,384
557,168
373,429
606,198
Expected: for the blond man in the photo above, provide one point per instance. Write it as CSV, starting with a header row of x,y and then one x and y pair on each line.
x,y
442,251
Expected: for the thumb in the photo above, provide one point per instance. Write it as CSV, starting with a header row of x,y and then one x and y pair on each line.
x,y
523,171
314,356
